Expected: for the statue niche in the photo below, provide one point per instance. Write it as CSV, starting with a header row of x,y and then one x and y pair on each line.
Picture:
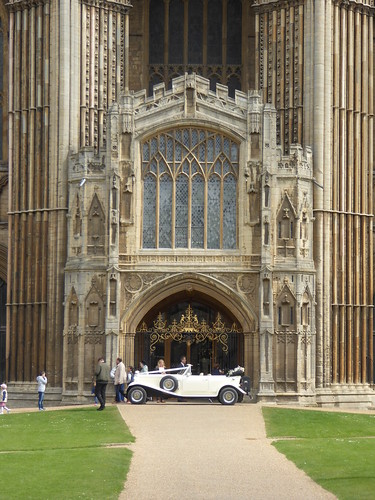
x,y
77,220
73,309
286,218
252,171
285,342
96,228
126,209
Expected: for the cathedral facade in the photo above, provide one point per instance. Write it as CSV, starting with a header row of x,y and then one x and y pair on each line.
x,y
188,177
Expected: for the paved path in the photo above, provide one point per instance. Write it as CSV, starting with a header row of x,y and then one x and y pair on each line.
x,y
208,451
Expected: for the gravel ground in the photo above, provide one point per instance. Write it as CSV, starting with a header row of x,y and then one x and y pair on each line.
x,y
208,451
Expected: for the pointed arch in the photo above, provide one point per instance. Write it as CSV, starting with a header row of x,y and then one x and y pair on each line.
x,y
96,228
95,313
190,282
286,228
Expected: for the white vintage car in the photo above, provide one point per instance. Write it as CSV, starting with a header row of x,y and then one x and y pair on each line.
x,y
180,383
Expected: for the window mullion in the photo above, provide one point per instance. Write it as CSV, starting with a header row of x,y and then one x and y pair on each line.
x,y
221,209
173,209
189,207
205,227
157,215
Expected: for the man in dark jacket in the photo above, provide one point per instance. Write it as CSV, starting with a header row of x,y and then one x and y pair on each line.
x,y
101,380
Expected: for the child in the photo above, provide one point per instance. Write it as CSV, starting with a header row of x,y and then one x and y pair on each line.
x,y
4,399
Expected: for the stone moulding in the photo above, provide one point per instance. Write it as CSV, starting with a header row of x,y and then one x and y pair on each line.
x,y
239,106
14,5
115,5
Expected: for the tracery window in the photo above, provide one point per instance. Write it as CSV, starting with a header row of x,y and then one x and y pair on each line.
x,y
200,36
190,190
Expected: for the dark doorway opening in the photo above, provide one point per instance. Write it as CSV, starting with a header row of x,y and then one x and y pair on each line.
x,y
207,334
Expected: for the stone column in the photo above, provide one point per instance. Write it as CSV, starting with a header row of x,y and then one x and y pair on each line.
x,y
129,349
318,151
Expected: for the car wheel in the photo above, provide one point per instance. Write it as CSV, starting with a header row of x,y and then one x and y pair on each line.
x,y
137,395
228,396
168,383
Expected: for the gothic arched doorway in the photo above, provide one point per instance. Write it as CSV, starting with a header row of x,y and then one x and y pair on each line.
x,y
205,333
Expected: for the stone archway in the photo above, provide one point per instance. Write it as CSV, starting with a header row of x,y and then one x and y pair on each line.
x,y
192,327
201,288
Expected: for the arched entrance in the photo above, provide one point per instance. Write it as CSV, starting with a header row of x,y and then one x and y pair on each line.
x,y
172,296
202,330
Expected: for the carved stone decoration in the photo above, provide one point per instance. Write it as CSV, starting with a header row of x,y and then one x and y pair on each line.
x,y
3,181
127,192
190,330
246,283
133,283
95,316
266,233
252,172
73,309
94,339
286,228
96,228
267,294
77,218
280,69
285,319
113,295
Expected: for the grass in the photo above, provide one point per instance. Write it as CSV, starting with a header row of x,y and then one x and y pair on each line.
x,y
63,454
337,450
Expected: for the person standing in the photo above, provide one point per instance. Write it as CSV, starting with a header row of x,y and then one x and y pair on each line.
x,y
4,399
143,367
101,380
182,363
120,380
42,382
161,367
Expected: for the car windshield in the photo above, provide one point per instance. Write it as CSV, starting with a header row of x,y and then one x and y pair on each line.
x,y
186,370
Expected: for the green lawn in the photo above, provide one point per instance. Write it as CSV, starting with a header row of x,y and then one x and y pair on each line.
x,y
337,450
63,454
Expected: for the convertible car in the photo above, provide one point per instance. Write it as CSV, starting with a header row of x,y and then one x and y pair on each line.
x,y
180,383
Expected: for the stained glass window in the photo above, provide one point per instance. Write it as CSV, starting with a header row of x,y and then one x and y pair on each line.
x,y
182,215
229,212
197,212
149,212
165,211
213,219
190,190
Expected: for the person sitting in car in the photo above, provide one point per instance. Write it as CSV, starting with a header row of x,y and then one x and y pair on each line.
x,y
217,370
161,368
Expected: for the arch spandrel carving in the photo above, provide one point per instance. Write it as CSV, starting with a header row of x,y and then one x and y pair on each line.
x,y
199,283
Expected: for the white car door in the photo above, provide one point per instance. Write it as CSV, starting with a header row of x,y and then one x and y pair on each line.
x,y
196,385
